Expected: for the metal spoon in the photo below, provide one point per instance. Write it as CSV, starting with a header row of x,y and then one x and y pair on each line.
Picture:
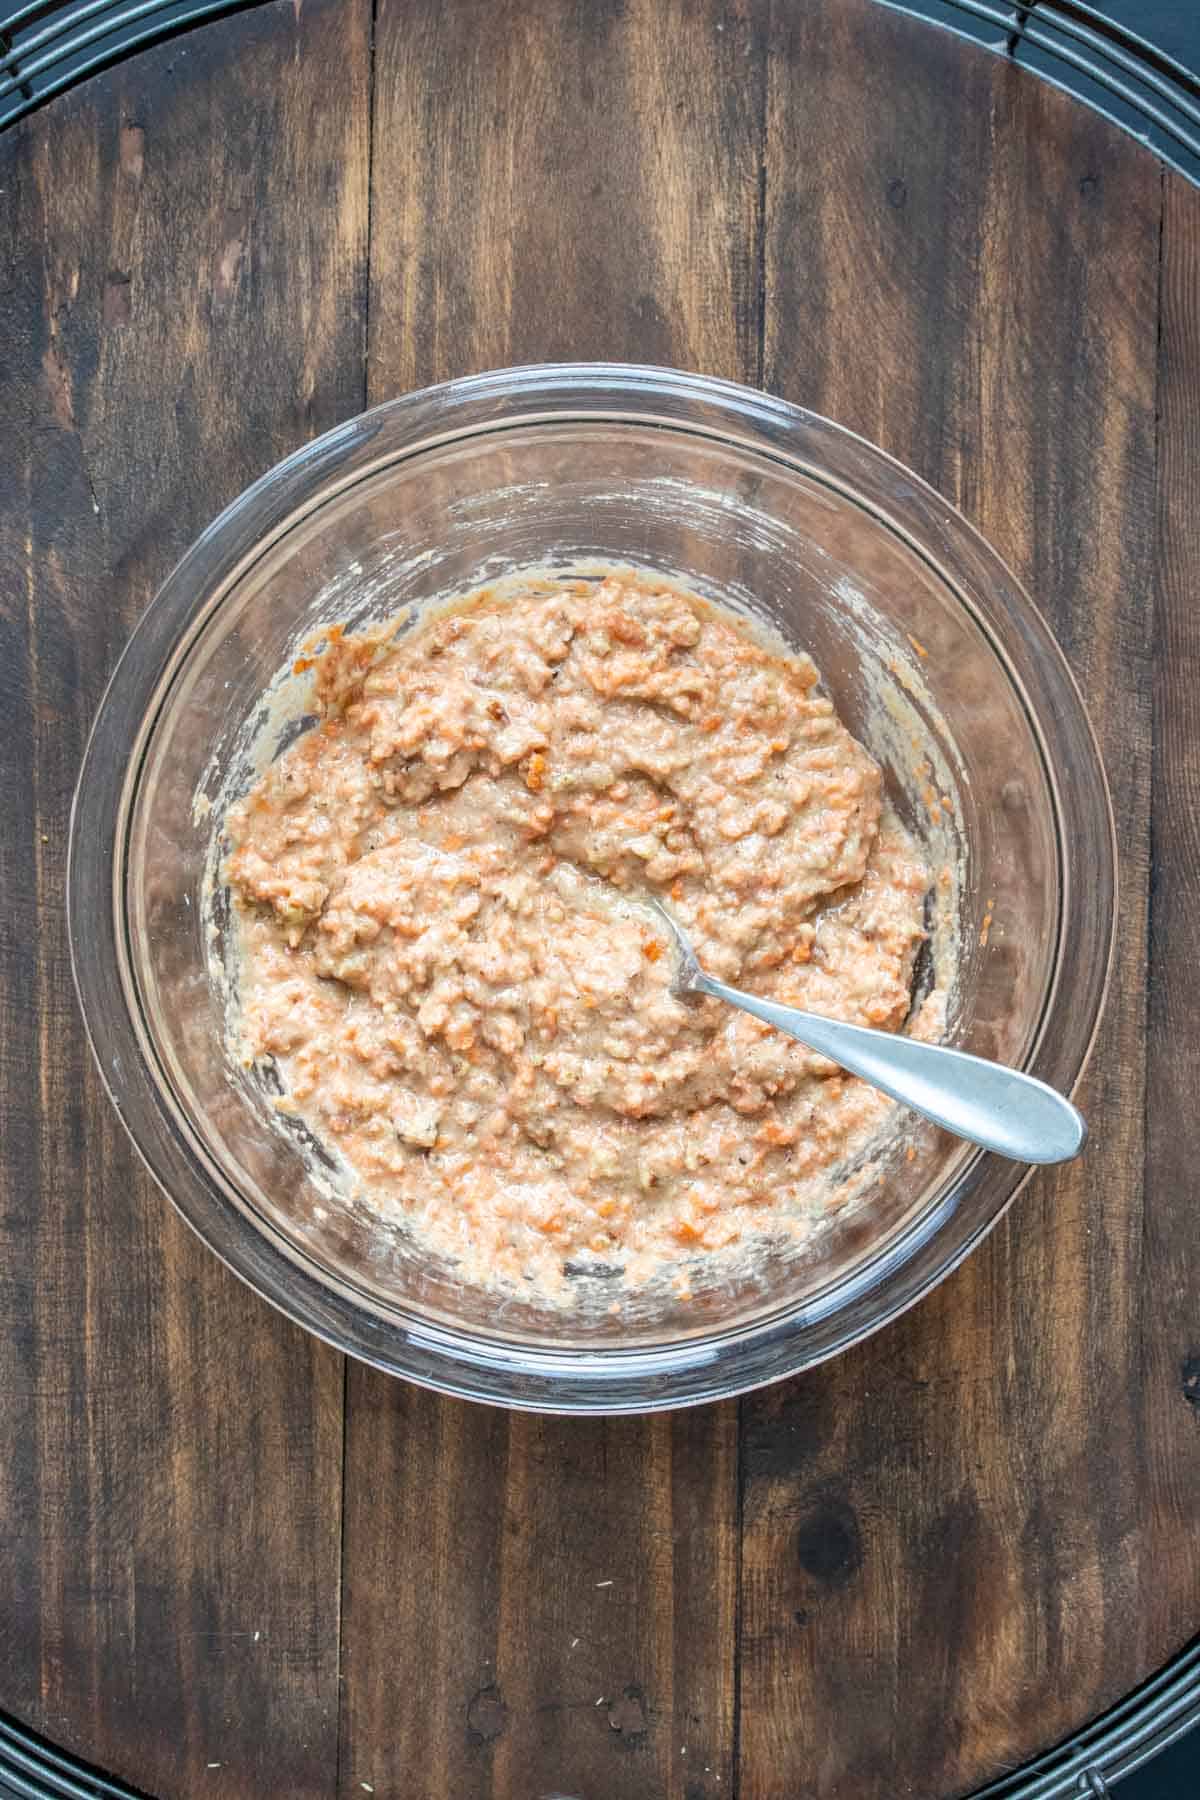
x,y
997,1107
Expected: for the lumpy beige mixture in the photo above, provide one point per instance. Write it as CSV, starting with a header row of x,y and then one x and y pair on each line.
x,y
437,960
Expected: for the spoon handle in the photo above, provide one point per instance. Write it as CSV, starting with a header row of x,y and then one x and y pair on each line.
x,y
997,1107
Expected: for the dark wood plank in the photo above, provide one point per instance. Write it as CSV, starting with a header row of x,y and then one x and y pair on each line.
x,y
535,1605
183,257
550,181
554,180
1171,1327
945,1558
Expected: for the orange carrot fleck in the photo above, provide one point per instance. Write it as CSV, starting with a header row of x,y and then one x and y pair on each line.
x,y
535,772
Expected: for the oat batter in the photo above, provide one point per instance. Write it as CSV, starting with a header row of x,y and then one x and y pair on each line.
x,y
433,963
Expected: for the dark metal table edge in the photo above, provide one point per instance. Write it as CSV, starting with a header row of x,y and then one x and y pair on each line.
x,y
47,46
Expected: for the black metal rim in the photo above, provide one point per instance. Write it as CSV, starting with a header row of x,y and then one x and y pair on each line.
x,y
47,46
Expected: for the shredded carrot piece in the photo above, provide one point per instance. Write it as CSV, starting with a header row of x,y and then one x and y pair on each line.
x,y
535,772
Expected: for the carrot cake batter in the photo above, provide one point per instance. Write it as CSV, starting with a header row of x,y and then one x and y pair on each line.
x,y
433,962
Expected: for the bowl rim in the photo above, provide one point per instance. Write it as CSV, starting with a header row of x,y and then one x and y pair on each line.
x,y
461,1362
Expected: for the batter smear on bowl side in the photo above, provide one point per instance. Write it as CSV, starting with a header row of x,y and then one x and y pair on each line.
x,y
432,959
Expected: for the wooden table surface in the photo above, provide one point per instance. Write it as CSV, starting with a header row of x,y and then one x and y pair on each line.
x,y
231,1564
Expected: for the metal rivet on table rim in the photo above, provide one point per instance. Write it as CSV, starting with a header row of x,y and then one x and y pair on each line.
x,y
1092,1782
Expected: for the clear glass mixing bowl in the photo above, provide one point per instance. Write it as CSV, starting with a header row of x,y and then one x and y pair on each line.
x,y
921,633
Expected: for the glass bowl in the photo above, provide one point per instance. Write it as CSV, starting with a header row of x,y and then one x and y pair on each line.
x,y
934,656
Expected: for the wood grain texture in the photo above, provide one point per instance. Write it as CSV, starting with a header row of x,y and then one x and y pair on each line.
x,y
170,1487
1170,1368
554,180
947,1533
916,1566
535,1605
549,181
